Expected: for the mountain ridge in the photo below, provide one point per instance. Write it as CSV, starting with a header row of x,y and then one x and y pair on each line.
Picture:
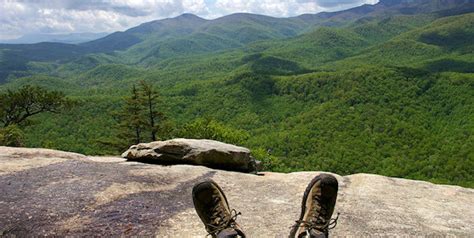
x,y
189,34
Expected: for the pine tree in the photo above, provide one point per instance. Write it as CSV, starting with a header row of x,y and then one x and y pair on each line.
x,y
138,116
151,100
132,119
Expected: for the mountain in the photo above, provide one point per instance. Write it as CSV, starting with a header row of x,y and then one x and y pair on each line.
x,y
16,59
188,34
239,29
441,45
385,8
162,29
71,38
384,88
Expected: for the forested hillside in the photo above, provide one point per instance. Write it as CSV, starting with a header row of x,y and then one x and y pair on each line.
x,y
385,88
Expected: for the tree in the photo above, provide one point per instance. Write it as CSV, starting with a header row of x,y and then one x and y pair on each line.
x,y
206,128
138,115
11,136
131,118
151,100
17,107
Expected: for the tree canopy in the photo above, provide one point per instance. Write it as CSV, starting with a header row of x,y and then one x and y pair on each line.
x,y
18,106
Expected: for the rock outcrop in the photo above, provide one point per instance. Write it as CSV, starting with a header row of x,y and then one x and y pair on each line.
x,y
65,194
209,153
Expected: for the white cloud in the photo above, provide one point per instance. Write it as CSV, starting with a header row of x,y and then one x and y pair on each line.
x,y
267,7
65,16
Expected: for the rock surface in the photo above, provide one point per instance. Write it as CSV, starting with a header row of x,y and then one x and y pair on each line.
x,y
210,153
45,192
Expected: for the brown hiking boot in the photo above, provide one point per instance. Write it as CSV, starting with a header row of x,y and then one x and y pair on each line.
x,y
212,207
316,210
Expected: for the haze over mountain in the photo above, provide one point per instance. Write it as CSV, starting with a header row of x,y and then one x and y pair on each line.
x,y
384,88
71,38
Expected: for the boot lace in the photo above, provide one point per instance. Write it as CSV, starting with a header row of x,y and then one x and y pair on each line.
x,y
319,222
220,220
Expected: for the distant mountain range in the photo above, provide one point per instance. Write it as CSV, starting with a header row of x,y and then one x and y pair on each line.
x,y
242,28
188,34
71,38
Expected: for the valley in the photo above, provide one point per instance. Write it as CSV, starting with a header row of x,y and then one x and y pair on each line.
x,y
385,88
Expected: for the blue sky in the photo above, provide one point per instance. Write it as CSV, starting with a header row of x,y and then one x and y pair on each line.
x,y
22,17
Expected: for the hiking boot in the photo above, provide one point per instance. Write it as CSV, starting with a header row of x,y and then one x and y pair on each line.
x,y
212,207
316,210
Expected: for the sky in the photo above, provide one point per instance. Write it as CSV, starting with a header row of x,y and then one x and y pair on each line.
x,y
22,17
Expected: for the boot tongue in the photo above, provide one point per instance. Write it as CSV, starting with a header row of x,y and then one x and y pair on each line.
x,y
227,233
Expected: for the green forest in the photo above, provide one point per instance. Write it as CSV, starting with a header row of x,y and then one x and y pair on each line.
x,y
385,92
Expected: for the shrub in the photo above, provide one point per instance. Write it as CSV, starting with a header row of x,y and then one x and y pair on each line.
x,y
210,129
11,136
